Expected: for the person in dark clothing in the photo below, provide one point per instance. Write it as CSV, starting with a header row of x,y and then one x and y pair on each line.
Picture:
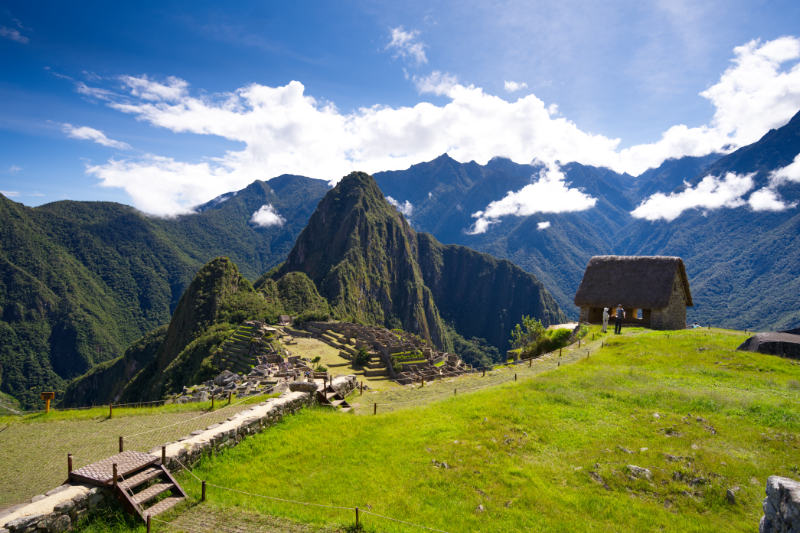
x,y
618,319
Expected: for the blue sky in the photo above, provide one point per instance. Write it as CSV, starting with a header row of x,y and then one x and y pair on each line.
x,y
164,105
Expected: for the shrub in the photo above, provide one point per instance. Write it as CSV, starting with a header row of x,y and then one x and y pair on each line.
x,y
362,357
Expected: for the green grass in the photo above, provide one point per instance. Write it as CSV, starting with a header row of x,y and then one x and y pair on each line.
x,y
548,452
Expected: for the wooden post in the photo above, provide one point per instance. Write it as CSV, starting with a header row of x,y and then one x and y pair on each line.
x,y
374,408
559,352
121,444
203,494
164,455
423,382
212,402
515,376
484,373
356,518
69,464
587,354
530,362
111,410
114,473
361,389
579,343
455,391
148,523
229,397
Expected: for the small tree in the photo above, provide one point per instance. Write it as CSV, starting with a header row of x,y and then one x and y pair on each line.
x,y
362,357
526,333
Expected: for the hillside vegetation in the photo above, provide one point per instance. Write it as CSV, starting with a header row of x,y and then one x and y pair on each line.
x,y
547,453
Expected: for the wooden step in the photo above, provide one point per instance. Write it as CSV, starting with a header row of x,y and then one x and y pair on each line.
x,y
151,492
163,506
140,478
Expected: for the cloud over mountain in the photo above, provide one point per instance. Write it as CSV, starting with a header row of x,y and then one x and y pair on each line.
x,y
285,130
266,216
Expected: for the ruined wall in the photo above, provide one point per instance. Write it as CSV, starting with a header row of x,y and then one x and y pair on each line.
x,y
673,316
781,506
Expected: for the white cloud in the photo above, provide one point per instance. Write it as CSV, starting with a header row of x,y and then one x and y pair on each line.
x,y
406,45
550,193
90,134
711,193
767,199
790,172
284,130
406,208
513,86
267,216
13,34
13,169
543,225
10,194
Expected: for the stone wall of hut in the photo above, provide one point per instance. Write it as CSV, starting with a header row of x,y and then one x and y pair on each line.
x,y
673,316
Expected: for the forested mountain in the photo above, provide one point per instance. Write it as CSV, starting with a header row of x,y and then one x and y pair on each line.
x,y
80,281
743,264
372,267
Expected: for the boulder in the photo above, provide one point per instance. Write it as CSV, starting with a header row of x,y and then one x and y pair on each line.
x,y
303,386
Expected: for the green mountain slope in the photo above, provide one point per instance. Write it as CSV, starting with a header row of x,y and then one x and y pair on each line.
x,y
372,267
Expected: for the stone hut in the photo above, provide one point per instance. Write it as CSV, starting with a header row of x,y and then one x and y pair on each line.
x,y
653,290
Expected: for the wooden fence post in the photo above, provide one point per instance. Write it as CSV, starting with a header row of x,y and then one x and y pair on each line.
x,y
212,402
148,523
203,494
455,391
121,444
110,410
164,455
515,376
69,464
374,408
114,473
230,393
484,373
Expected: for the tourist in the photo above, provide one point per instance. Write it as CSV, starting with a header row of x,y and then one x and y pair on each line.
x,y
620,314
605,319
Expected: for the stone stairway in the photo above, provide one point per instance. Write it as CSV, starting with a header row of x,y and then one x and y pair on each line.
x,y
329,397
142,485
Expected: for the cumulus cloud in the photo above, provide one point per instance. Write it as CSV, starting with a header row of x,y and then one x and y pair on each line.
x,y
513,86
543,225
550,193
790,172
406,208
90,134
406,44
711,193
13,34
267,216
284,130
767,199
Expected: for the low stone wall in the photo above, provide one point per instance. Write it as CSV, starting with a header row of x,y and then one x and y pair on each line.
x,y
59,509
781,506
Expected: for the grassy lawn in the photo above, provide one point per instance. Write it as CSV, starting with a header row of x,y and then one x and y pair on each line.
x,y
34,447
548,452
336,365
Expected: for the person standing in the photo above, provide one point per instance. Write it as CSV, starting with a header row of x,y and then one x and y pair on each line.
x,y
620,314
605,319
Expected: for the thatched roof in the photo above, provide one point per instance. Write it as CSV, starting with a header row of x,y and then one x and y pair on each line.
x,y
642,282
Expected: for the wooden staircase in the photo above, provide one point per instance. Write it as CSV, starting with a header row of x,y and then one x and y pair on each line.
x,y
330,398
143,486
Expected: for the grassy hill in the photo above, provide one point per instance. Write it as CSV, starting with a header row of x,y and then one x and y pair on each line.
x,y
549,452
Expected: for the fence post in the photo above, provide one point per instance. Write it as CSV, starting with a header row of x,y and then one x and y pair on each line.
x,y
423,382
530,362
356,518
148,523
374,408
114,473
203,494
579,343
164,455
212,402
121,444
69,464
110,410
515,376
361,389
484,373
455,392
230,393
559,352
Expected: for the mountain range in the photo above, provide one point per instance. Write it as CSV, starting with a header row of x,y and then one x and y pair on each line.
x,y
81,281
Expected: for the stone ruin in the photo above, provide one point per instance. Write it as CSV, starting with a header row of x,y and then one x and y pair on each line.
x,y
403,356
252,362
